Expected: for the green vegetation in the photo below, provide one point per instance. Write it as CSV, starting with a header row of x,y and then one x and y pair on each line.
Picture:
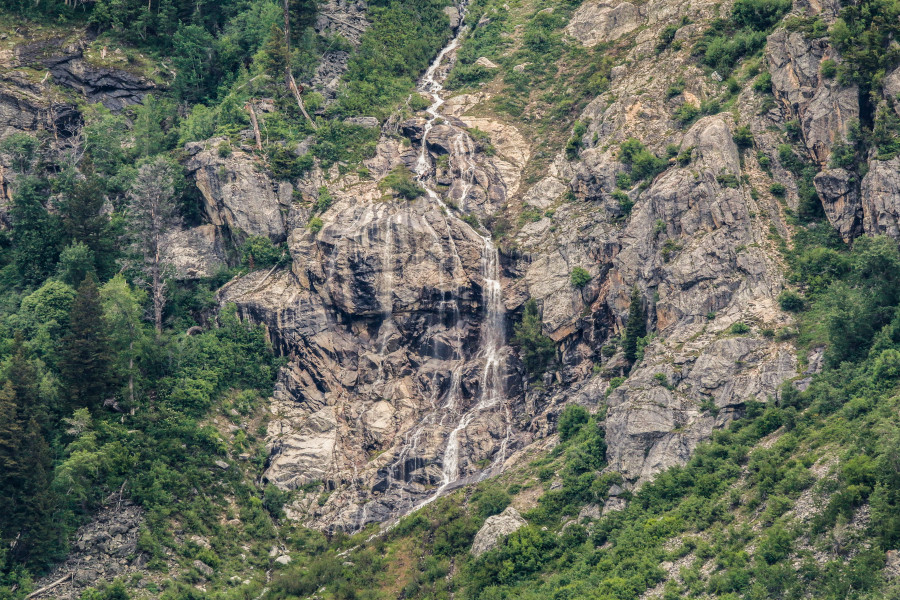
x,y
401,181
537,350
727,41
635,326
579,277
644,164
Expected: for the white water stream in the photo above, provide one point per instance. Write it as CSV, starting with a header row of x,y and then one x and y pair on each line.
x,y
492,336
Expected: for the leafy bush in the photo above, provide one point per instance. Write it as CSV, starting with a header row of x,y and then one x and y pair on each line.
x,y
686,114
259,252
400,179
285,164
579,277
573,146
790,301
743,137
644,164
571,420
739,328
666,36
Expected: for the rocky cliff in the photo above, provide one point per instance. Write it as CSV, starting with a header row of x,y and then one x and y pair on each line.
x,y
382,313
395,315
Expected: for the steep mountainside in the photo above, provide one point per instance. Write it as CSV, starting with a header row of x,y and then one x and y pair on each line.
x,y
487,299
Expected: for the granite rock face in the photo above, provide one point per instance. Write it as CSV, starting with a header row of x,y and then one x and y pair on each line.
x,y
195,253
597,22
383,313
823,107
880,192
237,193
840,198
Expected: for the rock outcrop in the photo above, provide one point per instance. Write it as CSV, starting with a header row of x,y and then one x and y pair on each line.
x,y
237,193
880,192
195,253
597,22
840,198
114,88
823,107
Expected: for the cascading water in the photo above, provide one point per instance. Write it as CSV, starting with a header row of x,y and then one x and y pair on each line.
x,y
492,336
448,408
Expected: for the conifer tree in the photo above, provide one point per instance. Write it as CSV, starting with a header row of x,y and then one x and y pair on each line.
x,y
85,350
537,350
636,326
153,214
10,439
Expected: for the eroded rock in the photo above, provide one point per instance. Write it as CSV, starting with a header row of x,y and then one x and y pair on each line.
x,y
824,108
236,192
597,22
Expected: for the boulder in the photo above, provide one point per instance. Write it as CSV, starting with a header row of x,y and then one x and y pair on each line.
x,y
496,529
486,63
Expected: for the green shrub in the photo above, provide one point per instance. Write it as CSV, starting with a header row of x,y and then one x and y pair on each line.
x,y
401,181
573,146
644,164
743,137
666,36
536,350
258,251
790,301
676,89
284,163
828,68
491,501
777,189
686,114
579,277
315,225
571,420
739,328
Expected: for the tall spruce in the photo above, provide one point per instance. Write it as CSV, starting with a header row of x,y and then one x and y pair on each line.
x,y
85,356
636,326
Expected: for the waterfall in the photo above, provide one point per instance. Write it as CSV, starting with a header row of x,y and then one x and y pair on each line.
x,y
492,335
449,411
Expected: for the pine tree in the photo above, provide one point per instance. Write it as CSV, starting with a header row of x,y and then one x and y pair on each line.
x,y
86,223
35,232
10,441
40,536
153,214
85,356
303,15
636,326
22,376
